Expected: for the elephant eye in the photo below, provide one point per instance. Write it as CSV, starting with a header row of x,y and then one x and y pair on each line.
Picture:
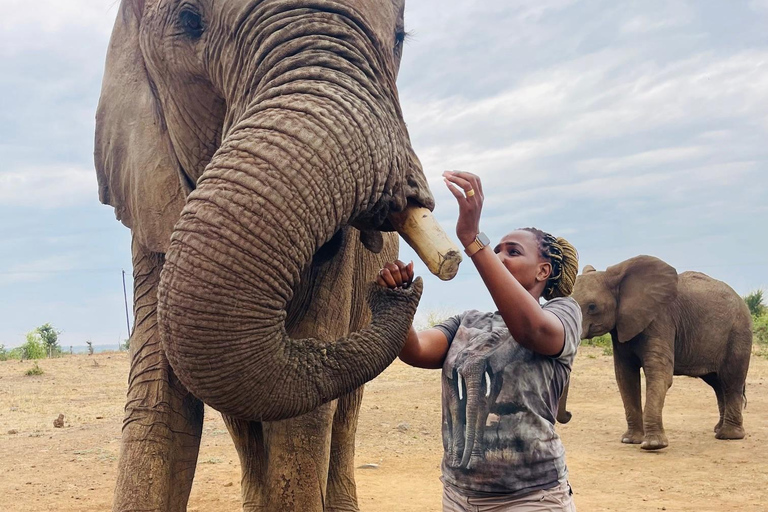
x,y
400,37
592,308
191,22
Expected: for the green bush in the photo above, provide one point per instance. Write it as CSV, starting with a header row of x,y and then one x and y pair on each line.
x,y
33,348
35,370
603,341
760,329
754,301
4,353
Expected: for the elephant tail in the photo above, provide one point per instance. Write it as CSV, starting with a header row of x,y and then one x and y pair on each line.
x,y
744,394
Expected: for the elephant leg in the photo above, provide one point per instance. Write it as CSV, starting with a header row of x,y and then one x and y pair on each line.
x,y
248,437
163,421
712,380
627,369
342,491
658,380
732,426
298,451
733,377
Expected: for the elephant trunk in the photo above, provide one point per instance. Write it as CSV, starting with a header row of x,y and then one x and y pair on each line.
x,y
320,146
476,411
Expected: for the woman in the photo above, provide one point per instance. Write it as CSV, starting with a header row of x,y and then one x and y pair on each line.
x,y
503,372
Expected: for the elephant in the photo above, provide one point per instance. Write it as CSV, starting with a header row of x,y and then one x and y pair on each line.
x,y
668,324
257,151
478,369
480,411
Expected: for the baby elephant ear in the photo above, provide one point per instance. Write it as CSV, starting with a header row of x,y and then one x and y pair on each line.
x,y
646,285
588,269
135,164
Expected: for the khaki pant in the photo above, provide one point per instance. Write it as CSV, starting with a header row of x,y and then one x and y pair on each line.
x,y
557,499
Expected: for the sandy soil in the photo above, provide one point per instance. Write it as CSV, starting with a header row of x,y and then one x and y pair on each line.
x,y
73,468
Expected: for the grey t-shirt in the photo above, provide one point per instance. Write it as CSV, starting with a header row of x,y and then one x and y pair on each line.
x,y
499,404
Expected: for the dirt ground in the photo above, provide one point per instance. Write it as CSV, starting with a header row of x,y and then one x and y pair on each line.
x,y
73,468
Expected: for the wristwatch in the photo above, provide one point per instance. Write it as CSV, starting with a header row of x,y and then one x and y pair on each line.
x,y
480,241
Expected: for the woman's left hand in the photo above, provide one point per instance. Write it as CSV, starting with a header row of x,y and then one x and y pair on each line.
x,y
468,191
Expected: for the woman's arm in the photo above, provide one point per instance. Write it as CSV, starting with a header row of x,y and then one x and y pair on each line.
x,y
424,349
531,326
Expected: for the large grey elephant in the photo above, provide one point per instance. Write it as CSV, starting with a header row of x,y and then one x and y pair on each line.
x,y
257,151
668,324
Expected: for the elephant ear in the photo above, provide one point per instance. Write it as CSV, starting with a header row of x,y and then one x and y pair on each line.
x,y
136,168
645,285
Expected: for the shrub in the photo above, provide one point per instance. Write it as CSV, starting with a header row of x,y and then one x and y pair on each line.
x,y
35,370
33,348
4,354
754,301
603,341
760,329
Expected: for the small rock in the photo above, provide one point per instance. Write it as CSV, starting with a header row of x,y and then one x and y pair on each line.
x,y
13,431
14,409
59,422
228,484
99,417
368,466
403,427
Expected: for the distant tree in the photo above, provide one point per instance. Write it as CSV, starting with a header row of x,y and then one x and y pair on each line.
x,y
126,345
90,347
50,338
3,353
754,301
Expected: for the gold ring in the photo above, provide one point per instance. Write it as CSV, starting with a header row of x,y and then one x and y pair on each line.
x,y
470,192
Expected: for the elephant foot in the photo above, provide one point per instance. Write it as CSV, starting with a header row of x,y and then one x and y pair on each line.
x,y
632,437
654,442
730,432
719,425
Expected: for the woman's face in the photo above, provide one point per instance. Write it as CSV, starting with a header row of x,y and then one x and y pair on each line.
x,y
519,252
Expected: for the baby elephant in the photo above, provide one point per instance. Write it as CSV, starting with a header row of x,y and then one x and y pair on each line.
x,y
668,324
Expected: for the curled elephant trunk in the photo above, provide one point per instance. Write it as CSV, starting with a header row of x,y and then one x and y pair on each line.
x,y
315,151
235,257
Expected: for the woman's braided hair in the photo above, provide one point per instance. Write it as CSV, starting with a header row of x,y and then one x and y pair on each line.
x,y
565,263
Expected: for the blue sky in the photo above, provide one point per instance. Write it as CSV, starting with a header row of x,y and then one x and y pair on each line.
x,y
627,127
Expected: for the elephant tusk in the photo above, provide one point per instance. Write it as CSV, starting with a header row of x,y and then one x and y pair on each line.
x,y
461,396
420,230
487,385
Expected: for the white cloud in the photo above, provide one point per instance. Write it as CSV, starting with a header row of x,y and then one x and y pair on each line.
x,y
38,270
47,187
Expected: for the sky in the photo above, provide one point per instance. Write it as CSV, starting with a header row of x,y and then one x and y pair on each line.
x,y
626,127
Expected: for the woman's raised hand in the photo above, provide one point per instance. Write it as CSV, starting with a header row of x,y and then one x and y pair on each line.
x,y
468,191
395,274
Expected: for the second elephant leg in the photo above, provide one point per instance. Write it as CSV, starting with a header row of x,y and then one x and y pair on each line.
x,y
627,369
712,380
658,380
342,491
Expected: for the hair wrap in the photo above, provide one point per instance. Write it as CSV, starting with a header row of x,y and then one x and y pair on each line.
x,y
565,263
